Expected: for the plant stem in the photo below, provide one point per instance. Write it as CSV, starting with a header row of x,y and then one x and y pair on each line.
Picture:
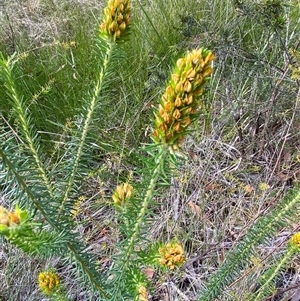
x,y
87,122
275,272
7,66
72,247
159,160
148,196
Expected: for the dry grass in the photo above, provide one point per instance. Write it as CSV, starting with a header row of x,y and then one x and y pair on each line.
x,y
36,22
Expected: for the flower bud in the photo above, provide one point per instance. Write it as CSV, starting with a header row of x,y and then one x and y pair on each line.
x,y
48,282
122,26
295,240
122,194
178,102
4,218
177,114
179,88
142,293
180,63
171,255
187,86
175,78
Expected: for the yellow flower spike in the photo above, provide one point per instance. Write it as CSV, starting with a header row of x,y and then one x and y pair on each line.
x,y
295,240
120,18
48,282
186,122
168,106
117,15
108,12
128,189
113,26
169,91
208,71
171,255
122,194
180,101
209,58
118,33
183,75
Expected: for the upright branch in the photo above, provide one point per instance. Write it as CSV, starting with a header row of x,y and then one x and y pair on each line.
x,y
178,108
111,31
18,104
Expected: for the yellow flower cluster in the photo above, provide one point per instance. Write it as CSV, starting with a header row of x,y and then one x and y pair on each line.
x,y
122,193
77,206
142,293
9,218
117,17
48,282
295,240
180,102
171,255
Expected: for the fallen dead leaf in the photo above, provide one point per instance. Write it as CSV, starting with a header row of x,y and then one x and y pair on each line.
x,y
149,272
195,208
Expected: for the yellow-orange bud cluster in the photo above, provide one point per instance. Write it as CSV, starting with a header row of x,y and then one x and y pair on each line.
x,y
295,240
9,218
142,293
116,18
122,193
48,282
180,102
171,255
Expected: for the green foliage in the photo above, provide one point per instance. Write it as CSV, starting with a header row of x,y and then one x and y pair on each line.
x,y
269,12
75,109
263,229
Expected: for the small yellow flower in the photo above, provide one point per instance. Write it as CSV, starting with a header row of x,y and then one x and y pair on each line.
x,y
4,218
48,282
171,255
295,240
10,218
122,194
77,206
14,218
142,293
